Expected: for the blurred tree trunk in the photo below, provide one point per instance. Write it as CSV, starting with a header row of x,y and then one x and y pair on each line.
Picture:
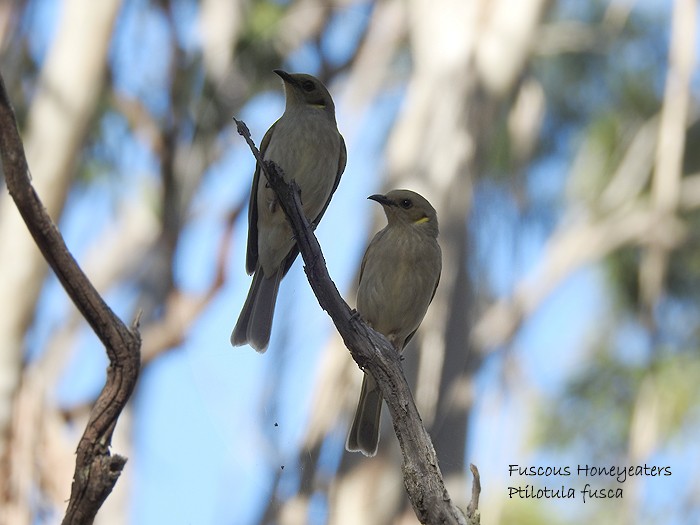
x,y
71,82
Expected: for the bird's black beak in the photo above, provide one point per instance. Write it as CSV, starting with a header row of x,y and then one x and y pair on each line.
x,y
289,79
382,199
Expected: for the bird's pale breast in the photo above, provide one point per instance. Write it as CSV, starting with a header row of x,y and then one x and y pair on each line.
x,y
306,145
397,283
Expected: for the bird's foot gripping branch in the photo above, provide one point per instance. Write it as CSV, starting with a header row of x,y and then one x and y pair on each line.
x,y
373,352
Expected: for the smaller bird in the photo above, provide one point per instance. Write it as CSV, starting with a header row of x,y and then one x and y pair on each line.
x,y
306,144
399,275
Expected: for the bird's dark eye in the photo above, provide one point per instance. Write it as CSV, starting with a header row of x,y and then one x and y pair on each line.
x,y
307,85
406,204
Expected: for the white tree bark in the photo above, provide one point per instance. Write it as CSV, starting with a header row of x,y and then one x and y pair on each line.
x,y
666,181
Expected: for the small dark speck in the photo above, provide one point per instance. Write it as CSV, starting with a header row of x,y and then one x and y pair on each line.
x,y
282,467
277,424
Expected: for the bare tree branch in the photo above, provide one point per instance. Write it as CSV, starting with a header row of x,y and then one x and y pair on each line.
x,y
56,124
96,469
373,353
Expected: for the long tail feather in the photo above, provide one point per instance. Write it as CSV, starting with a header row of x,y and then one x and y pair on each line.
x,y
255,322
364,433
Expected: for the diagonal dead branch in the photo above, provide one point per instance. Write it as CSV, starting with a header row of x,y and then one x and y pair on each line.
x,y
372,352
96,470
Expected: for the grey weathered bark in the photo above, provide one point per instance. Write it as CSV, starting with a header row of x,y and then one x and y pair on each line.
x,y
71,81
372,352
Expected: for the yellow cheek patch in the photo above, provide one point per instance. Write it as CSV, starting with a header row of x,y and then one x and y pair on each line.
x,y
422,220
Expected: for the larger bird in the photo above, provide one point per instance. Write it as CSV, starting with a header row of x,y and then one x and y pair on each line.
x,y
306,144
398,278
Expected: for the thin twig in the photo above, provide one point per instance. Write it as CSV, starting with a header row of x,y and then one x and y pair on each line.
x,y
96,470
473,507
